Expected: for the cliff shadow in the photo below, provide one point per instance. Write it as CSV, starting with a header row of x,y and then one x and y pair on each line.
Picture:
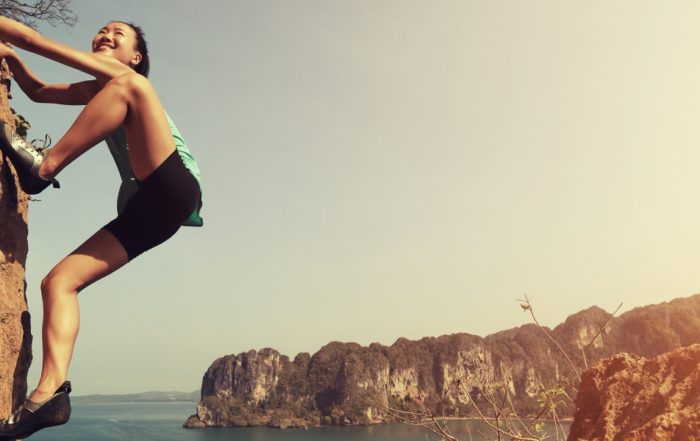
x,y
14,229
24,361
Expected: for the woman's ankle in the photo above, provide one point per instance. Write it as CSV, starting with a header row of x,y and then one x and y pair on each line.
x,y
46,171
43,392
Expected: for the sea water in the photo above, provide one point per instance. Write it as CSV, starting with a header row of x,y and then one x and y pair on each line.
x,y
163,422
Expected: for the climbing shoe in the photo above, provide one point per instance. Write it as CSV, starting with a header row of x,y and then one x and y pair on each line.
x,y
31,416
27,159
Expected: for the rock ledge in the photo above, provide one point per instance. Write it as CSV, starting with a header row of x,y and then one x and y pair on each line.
x,y
631,398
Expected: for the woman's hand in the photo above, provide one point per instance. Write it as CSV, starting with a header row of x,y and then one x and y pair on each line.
x,y
6,50
103,68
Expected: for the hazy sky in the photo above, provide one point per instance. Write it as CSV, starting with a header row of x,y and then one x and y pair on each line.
x,y
378,169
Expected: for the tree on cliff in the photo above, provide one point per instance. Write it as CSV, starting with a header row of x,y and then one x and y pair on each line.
x,y
53,12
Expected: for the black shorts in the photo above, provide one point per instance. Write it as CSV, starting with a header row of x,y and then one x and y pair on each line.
x,y
164,200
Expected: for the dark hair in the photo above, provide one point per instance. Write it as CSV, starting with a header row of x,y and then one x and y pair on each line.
x,y
144,65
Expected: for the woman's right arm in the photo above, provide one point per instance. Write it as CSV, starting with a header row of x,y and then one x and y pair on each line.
x,y
102,67
37,90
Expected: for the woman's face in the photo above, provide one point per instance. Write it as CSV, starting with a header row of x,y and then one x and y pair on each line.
x,y
117,40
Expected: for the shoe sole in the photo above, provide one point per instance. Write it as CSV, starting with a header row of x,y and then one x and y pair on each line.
x,y
54,413
29,184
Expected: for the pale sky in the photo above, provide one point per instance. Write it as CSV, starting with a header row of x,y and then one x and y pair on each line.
x,y
379,169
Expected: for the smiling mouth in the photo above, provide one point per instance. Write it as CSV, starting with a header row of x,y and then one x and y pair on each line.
x,y
103,46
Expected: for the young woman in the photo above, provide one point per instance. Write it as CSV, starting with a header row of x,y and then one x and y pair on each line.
x,y
160,190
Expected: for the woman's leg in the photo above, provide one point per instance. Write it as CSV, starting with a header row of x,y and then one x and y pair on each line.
x,y
131,100
99,256
100,118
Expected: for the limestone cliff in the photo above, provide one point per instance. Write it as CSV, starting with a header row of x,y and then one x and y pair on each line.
x,y
346,384
631,398
15,334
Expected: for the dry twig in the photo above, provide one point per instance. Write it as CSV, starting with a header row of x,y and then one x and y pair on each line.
x,y
29,12
528,307
600,331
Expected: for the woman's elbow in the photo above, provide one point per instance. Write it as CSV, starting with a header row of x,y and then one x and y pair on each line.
x,y
37,99
37,95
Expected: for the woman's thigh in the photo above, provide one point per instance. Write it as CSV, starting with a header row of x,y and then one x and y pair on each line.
x,y
96,258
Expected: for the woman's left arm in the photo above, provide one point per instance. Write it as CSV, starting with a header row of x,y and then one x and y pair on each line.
x,y
100,66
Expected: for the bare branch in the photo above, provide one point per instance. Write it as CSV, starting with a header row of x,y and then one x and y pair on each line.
x,y
419,419
469,432
428,427
600,331
498,430
440,427
54,12
602,328
522,423
488,397
528,307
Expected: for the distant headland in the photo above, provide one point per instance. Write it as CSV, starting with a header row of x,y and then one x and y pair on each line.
x,y
143,397
350,384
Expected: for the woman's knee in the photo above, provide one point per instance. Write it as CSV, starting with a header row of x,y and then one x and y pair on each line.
x,y
130,83
58,282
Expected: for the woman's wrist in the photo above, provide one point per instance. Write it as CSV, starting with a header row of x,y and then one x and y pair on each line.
x,y
11,58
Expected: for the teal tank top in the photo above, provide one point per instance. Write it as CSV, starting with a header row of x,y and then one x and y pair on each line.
x,y
119,149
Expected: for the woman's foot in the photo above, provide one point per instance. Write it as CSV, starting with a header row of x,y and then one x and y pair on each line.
x,y
39,396
27,160
32,416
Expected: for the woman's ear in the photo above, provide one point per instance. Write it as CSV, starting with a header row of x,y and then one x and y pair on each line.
x,y
136,59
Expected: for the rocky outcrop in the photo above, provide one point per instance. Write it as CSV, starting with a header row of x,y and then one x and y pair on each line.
x,y
15,335
631,398
255,388
347,384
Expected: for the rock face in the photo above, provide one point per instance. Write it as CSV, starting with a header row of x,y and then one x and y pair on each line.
x,y
631,398
347,384
15,334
